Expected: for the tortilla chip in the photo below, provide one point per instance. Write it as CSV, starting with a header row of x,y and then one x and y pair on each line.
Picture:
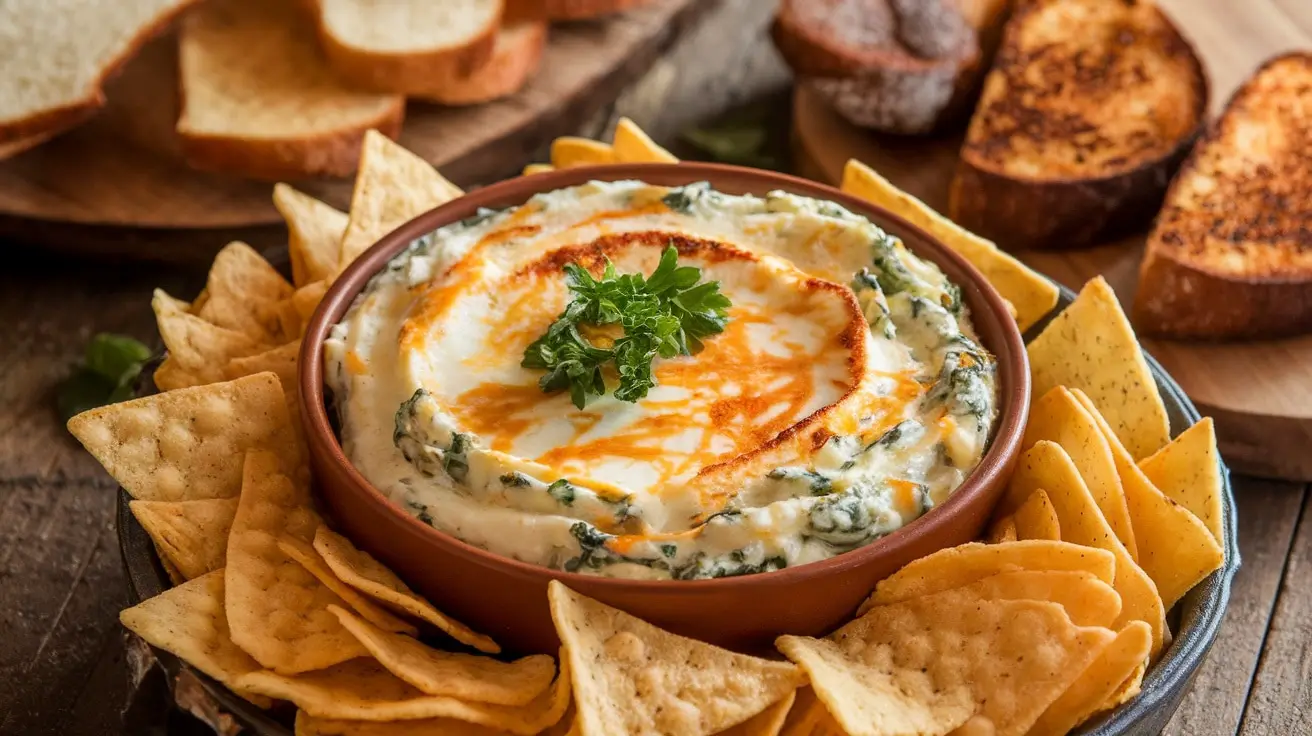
x,y
1087,600
632,145
191,535
632,677
1048,467
1090,346
314,234
568,152
198,303
464,676
962,565
277,610
307,557
1058,417
810,717
928,664
1003,530
198,346
1098,683
1036,518
189,622
308,725
306,299
392,187
1188,471
768,722
1031,294
362,690
532,169
1175,548
188,444
170,376
369,576
280,361
244,292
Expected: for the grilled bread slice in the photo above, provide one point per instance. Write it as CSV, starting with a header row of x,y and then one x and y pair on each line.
x,y
542,10
1231,253
56,54
900,66
515,58
259,100
407,46
1088,110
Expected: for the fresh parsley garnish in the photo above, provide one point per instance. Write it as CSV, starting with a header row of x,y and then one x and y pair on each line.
x,y
107,374
667,313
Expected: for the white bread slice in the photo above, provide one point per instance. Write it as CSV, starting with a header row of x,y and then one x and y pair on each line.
x,y
259,101
56,54
403,45
515,58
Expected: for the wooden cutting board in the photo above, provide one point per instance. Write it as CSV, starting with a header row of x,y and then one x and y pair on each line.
x,y
1260,394
123,169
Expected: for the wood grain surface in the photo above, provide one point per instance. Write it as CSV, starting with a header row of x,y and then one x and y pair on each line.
x,y
62,662
1260,393
124,167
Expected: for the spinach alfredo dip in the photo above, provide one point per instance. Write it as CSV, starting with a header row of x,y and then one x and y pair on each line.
x,y
635,381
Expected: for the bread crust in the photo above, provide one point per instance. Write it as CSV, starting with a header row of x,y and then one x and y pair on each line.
x,y
333,154
517,56
410,72
546,10
18,134
1067,210
1181,297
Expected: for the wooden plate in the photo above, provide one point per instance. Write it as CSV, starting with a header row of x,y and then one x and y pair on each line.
x,y
1260,394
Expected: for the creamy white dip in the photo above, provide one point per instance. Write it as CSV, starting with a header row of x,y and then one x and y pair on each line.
x,y
846,397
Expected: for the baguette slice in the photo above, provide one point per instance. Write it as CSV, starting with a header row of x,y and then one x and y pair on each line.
x,y
259,101
515,58
1231,254
55,55
546,10
407,46
1088,110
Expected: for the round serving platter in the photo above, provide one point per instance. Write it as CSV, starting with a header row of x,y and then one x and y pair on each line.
x,y
1195,620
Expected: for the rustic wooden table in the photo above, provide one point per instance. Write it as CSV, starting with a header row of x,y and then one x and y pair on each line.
x,y
62,656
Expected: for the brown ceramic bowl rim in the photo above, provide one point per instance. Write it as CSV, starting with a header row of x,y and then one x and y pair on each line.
x,y
1010,355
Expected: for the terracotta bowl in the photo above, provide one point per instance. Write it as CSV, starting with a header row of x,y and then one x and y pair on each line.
x,y
506,599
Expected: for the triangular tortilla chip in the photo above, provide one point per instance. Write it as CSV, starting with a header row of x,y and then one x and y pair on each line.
x,y
277,610
532,169
314,232
1058,417
769,722
189,622
632,145
1087,600
1003,530
200,347
170,376
392,187
465,676
1032,295
191,535
1090,346
362,690
1188,471
188,444
1175,548
568,152
962,565
1047,466
244,294
307,298
632,677
1036,518
928,664
1098,683
810,717
367,575
307,557
280,361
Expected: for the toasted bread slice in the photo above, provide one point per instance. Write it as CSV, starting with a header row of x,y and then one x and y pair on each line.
x,y
902,66
1231,253
259,100
55,56
540,10
515,58
407,46
1088,110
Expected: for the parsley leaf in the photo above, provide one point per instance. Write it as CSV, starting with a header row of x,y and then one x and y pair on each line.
x,y
665,314
107,374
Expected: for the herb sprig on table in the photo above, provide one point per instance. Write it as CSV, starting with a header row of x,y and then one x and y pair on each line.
x,y
666,314
107,374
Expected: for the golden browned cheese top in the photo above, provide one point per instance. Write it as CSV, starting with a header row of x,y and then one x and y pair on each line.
x,y
1086,88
